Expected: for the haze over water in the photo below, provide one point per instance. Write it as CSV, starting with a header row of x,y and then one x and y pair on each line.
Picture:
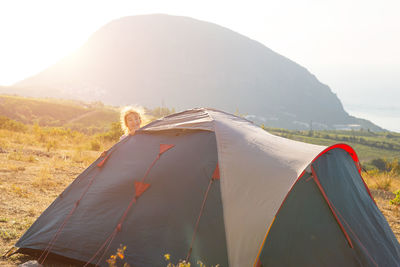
x,y
387,117
369,92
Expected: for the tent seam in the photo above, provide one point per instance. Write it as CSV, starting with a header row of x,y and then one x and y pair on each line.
x,y
222,175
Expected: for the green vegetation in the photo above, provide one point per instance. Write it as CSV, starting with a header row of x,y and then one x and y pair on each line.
x,y
368,145
396,200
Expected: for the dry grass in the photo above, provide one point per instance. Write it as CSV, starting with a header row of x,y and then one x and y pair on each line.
x,y
31,177
390,211
33,174
387,181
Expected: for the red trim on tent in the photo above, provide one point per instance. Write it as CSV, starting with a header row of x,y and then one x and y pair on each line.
x,y
330,206
215,175
140,188
353,155
101,163
165,147
346,148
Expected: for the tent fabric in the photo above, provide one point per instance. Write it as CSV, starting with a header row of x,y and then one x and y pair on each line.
x,y
155,225
254,163
361,217
305,233
228,218
306,230
246,151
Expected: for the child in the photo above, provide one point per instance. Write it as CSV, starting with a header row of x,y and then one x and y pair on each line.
x,y
130,121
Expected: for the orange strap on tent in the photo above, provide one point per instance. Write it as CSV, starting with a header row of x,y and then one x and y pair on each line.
x,y
359,241
215,176
140,188
330,206
101,163
50,245
165,148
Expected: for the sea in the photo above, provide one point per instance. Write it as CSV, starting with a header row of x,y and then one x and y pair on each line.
x,y
386,117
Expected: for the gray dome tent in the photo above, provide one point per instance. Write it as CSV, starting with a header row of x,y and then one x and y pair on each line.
x,y
206,185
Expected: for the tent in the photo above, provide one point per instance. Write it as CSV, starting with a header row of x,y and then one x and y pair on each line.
x,y
206,185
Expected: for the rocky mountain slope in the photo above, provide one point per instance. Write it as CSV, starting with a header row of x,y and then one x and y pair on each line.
x,y
181,62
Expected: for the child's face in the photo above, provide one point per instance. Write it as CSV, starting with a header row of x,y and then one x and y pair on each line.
x,y
133,122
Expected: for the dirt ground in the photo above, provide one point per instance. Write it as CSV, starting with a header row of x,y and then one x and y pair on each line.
x,y
32,177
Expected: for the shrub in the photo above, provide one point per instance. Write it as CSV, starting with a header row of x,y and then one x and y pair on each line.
x,y
95,145
396,200
114,133
51,145
395,167
380,164
12,125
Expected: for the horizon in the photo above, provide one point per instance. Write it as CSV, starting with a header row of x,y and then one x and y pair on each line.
x,y
353,50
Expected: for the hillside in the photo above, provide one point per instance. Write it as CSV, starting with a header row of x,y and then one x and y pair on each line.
x,y
186,63
90,117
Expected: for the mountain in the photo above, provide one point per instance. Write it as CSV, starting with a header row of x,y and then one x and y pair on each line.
x,y
184,63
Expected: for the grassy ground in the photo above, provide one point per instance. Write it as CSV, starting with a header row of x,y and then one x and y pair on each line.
x,y
33,173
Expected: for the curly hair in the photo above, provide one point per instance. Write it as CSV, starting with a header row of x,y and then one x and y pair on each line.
x,y
139,111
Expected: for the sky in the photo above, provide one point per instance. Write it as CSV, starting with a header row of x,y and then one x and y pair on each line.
x,y
350,45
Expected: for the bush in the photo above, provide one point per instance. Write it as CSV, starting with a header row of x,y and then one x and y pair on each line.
x,y
95,145
53,144
396,201
114,133
12,125
380,164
